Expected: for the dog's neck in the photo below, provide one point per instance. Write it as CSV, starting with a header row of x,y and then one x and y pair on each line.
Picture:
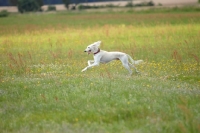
x,y
97,51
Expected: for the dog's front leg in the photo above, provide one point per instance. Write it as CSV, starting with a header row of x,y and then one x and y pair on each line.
x,y
84,69
90,61
94,64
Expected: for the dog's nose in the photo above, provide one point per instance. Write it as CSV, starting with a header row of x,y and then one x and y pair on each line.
x,y
84,51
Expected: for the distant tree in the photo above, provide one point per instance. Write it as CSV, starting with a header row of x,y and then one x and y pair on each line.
x,y
66,2
40,2
29,5
13,2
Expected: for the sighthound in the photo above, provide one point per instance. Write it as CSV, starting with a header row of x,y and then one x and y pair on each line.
x,y
101,56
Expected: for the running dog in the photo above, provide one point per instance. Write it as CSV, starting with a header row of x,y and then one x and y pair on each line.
x,y
101,56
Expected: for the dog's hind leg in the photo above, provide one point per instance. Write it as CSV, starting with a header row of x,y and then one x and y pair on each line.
x,y
133,62
125,63
131,65
128,68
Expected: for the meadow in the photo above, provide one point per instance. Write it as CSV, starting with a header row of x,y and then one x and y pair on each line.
x,y
42,88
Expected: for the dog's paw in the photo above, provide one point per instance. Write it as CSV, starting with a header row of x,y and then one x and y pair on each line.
x,y
84,69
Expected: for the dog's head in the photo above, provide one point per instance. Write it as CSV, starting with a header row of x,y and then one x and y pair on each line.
x,y
93,48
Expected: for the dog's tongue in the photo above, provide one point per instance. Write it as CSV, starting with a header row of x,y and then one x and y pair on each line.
x,y
89,52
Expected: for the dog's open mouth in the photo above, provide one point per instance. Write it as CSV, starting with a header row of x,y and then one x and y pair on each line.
x,y
89,51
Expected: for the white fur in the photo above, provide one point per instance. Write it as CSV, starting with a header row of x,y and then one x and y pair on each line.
x,y
105,57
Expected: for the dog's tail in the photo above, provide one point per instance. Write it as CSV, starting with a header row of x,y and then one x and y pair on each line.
x,y
134,62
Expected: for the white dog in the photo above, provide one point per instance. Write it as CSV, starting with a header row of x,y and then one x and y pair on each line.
x,y
101,56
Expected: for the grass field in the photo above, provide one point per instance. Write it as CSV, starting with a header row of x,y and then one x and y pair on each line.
x,y
42,88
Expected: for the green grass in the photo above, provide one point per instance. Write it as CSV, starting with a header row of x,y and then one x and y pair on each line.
x,y
42,88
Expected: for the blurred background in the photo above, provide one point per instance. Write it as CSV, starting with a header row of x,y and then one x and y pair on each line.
x,y
60,5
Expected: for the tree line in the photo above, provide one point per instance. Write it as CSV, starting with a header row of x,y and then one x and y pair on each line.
x,y
32,5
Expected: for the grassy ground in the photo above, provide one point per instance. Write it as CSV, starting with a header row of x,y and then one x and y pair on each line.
x,y
42,88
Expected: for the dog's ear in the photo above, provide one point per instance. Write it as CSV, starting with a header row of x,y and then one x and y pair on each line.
x,y
97,43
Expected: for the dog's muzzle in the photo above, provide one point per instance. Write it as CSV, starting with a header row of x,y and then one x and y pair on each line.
x,y
88,51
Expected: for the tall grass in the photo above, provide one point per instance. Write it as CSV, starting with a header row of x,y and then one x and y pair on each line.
x,y
43,90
